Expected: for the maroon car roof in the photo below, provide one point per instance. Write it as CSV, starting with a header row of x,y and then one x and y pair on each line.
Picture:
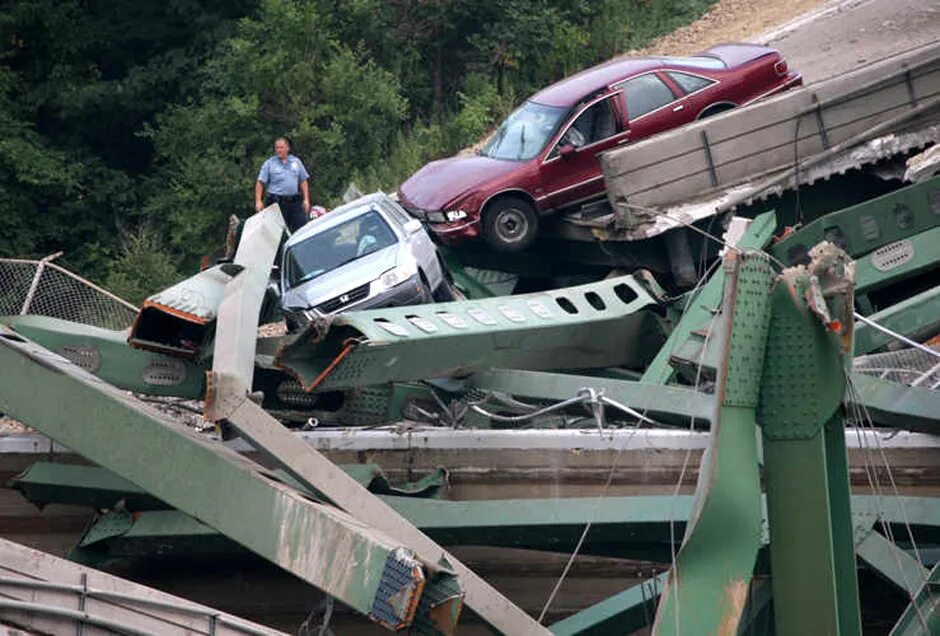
x,y
571,90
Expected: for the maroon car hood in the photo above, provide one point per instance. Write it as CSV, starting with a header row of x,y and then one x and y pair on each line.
x,y
440,182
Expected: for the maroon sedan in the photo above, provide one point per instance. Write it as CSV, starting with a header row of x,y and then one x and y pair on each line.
x,y
544,156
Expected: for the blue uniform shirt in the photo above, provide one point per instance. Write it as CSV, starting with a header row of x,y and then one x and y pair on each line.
x,y
283,177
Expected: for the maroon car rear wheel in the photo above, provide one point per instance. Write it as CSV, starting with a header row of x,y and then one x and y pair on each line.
x,y
510,224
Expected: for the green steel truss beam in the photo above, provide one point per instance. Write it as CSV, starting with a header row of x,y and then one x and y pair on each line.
x,y
917,317
105,353
309,467
348,560
915,255
542,331
701,305
863,228
623,613
892,563
511,523
922,616
709,582
805,464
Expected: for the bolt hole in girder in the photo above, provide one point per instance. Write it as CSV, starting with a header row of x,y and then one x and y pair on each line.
x,y
625,293
595,301
566,304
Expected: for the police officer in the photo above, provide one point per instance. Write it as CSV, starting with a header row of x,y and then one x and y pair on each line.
x,y
286,181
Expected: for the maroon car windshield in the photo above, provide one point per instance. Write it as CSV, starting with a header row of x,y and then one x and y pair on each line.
x,y
525,132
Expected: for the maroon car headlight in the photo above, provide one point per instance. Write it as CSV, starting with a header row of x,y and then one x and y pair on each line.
x,y
455,215
435,217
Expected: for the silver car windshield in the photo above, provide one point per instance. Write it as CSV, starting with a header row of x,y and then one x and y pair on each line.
x,y
337,246
525,132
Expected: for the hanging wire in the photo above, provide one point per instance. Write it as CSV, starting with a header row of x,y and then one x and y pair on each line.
x,y
597,502
866,421
874,484
897,336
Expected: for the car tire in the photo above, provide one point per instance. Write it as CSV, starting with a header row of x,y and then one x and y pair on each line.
x,y
510,224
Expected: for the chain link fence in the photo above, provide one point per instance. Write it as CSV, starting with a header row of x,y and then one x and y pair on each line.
x,y
43,288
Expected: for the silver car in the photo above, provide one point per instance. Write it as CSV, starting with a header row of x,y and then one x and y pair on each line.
x,y
365,254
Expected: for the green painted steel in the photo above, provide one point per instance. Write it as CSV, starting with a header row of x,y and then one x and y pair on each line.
x,y
105,353
863,228
675,405
895,405
917,317
805,466
699,307
543,331
348,560
897,261
922,616
96,487
623,613
709,582
892,563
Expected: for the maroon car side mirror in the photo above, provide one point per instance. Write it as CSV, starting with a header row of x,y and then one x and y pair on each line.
x,y
567,151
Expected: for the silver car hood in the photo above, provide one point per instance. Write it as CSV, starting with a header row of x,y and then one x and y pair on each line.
x,y
342,279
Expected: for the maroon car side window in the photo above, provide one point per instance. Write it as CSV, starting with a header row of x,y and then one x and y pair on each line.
x,y
645,94
595,124
689,83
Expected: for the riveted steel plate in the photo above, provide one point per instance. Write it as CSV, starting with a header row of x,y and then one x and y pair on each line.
x,y
88,358
749,331
893,255
165,371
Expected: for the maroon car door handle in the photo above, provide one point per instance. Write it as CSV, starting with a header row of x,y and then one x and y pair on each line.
x,y
676,109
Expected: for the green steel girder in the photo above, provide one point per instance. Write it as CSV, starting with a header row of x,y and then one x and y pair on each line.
x,y
348,559
898,261
709,582
863,228
922,616
105,353
623,613
896,405
532,524
917,317
96,487
803,383
701,305
672,404
542,331
892,563
636,527
889,404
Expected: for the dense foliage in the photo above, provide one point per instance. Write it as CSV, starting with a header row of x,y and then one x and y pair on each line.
x,y
130,131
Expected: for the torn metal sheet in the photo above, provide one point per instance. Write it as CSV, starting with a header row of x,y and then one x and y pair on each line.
x,y
543,331
802,418
181,320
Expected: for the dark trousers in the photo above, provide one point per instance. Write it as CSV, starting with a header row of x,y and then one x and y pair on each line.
x,y
292,209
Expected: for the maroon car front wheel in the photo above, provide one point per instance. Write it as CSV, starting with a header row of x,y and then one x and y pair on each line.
x,y
510,224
